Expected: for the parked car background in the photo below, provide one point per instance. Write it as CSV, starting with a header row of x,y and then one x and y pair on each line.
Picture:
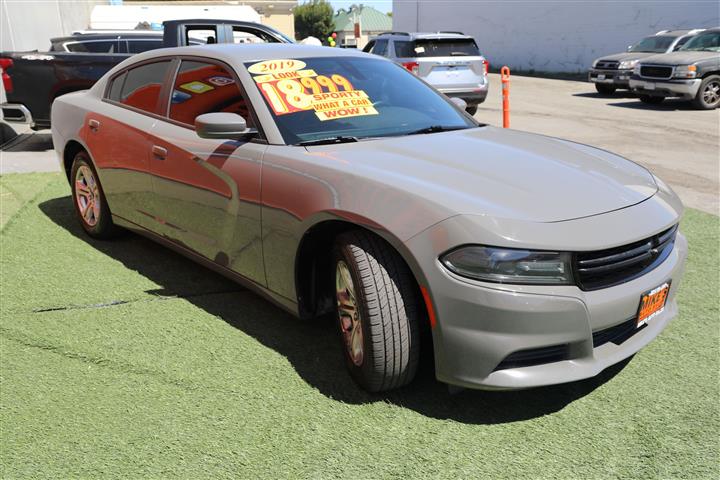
x,y
449,61
32,80
691,73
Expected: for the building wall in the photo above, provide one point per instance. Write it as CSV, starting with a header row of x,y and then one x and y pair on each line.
x,y
29,25
553,36
284,22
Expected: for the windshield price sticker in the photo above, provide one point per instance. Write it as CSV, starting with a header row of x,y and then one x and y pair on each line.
x,y
276,66
292,89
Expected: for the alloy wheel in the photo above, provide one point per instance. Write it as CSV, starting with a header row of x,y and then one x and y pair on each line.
x,y
349,313
711,94
87,195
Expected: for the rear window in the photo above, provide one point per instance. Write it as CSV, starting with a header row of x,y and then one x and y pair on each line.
x,y
142,86
139,46
93,46
451,47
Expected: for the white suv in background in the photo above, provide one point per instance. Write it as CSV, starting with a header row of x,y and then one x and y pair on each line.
x,y
449,61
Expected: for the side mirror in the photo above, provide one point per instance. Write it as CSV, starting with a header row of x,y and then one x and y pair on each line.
x,y
459,102
222,125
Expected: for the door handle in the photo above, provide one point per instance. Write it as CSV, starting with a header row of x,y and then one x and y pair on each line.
x,y
93,124
159,152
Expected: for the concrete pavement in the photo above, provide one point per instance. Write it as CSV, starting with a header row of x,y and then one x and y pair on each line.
x,y
679,144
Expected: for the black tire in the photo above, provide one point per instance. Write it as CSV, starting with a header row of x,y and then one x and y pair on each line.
x,y
388,305
101,225
708,95
471,109
605,89
651,99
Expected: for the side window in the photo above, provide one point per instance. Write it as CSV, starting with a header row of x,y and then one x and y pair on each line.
x,y
139,46
205,33
116,87
404,49
681,42
251,35
93,46
369,46
380,47
143,85
202,87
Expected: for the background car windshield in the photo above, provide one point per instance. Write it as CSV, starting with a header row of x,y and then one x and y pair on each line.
x,y
709,42
654,44
317,98
436,48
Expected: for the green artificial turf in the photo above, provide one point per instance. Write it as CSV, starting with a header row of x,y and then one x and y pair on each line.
x,y
121,359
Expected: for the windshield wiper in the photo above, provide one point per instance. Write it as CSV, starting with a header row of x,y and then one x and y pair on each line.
x,y
435,129
328,141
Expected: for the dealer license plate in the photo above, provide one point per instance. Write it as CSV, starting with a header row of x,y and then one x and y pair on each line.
x,y
601,76
652,303
649,86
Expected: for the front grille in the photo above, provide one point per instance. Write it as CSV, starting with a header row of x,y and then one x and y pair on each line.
x,y
613,266
607,64
617,334
534,356
655,71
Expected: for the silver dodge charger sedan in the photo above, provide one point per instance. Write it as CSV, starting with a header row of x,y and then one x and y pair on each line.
x,y
332,181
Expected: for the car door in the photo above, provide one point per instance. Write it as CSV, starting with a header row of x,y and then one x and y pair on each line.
x,y
208,191
117,135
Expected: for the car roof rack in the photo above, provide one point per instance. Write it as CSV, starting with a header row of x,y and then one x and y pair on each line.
x,y
661,32
450,31
695,30
395,33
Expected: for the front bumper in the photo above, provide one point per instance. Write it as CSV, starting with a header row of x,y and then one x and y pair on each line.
x,y
616,78
481,326
472,96
686,89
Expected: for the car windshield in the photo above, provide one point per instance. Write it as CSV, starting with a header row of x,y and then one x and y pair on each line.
x,y
436,47
705,42
654,44
343,98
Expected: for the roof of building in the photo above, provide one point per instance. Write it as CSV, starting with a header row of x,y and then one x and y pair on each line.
x,y
371,20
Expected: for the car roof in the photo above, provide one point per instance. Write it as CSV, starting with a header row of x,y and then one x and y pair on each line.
x,y
427,35
679,33
109,34
248,52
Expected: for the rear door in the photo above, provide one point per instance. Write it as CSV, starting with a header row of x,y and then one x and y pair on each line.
x,y
208,191
117,135
445,63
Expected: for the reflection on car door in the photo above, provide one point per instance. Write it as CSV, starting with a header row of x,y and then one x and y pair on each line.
x,y
117,135
207,191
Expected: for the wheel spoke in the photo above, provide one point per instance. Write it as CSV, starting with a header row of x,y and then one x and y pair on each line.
x,y
88,212
348,313
81,188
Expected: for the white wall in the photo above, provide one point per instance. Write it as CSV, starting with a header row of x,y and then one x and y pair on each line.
x,y
559,36
30,24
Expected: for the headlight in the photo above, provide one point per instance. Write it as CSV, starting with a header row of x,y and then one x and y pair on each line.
x,y
685,71
627,64
636,69
509,265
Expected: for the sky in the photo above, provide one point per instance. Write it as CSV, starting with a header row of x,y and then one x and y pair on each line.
x,y
382,5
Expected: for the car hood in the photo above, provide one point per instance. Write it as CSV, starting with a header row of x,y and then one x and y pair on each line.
x,y
681,58
626,56
497,172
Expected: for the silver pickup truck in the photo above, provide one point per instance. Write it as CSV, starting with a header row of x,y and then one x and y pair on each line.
x,y
612,72
691,73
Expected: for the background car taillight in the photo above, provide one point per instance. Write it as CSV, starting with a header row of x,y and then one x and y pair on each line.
x,y
6,63
486,67
412,67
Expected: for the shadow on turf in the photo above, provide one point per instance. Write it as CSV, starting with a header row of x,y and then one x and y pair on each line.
x,y
311,346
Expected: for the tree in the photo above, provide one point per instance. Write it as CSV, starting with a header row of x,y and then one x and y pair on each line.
x,y
314,18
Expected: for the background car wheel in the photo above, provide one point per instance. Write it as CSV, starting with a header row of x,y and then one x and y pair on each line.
x,y
471,109
708,96
604,89
377,312
89,200
651,99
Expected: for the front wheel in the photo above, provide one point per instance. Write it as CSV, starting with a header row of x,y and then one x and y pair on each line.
x,y
90,204
651,99
377,311
604,89
708,95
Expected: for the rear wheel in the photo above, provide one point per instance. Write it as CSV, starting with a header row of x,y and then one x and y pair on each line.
x,y
708,95
377,311
89,200
651,99
604,88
